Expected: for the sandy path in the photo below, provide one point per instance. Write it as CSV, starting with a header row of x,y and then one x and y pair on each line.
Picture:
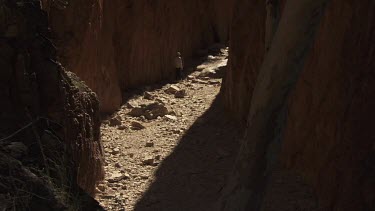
x,y
176,162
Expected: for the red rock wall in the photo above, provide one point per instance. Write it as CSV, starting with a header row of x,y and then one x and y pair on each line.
x,y
328,136
83,34
246,55
114,45
34,87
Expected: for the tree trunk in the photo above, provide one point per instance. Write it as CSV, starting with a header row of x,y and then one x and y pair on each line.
x,y
278,75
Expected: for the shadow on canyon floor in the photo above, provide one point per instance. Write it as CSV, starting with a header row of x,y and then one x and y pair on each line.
x,y
191,177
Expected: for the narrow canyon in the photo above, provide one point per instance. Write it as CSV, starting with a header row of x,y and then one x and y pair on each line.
x,y
161,105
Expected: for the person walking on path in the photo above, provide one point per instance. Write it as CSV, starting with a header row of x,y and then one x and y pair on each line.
x,y
179,66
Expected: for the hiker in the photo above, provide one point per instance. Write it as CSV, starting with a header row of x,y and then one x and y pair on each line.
x,y
179,66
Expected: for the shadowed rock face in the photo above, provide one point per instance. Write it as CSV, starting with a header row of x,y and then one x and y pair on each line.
x,y
247,50
328,137
114,45
61,142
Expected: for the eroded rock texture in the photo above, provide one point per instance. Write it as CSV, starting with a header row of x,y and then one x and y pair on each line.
x,y
49,119
247,48
328,137
114,45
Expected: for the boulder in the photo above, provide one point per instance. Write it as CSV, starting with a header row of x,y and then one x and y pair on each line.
x,y
172,90
171,117
148,96
156,109
136,125
148,160
115,121
137,112
180,94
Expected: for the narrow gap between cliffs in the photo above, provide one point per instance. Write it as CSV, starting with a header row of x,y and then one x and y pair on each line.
x,y
170,146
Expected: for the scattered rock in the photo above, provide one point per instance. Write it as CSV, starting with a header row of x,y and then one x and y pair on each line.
x,y
210,57
101,187
160,100
216,48
148,96
172,90
171,117
224,52
115,121
148,115
137,125
148,160
180,94
115,151
166,118
157,108
205,78
172,112
130,105
177,131
150,144
201,67
214,82
158,157
127,176
117,177
144,177
137,112
190,77
198,81
122,127
208,72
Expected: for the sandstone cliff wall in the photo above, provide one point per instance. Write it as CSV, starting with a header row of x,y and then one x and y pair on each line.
x,y
328,134
329,137
60,147
247,50
114,45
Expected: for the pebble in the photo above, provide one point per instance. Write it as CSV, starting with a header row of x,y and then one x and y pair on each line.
x,y
150,144
115,151
180,94
115,121
172,90
148,96
137,125
171,117
148,160
122,127
101,187
117,176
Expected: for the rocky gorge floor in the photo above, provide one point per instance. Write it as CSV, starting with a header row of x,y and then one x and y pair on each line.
x,y
167,148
